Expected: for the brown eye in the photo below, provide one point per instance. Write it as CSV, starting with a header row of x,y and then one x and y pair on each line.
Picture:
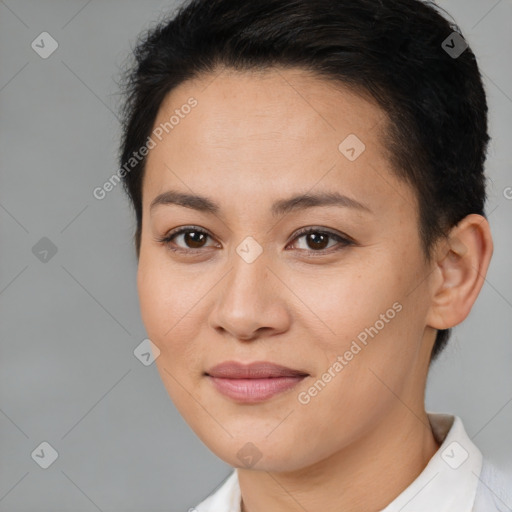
x,y
317,240
194,239
186,239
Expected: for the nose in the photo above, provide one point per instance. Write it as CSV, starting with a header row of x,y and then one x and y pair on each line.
x,y
250,301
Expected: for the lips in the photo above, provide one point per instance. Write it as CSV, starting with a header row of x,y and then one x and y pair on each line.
x,y
256,370
254,382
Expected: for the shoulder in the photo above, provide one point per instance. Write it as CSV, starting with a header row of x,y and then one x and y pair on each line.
x,y
494,492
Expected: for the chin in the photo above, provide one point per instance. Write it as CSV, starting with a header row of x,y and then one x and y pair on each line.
x,y
277,455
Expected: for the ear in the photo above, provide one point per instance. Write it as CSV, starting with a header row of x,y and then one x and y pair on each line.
x,y
461,264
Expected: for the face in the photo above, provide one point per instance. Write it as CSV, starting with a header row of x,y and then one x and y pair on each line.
x,y
345,306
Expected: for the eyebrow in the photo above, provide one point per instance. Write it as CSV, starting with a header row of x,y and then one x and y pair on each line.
x,y
280,207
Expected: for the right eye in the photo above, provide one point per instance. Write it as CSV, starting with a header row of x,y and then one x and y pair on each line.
x,y
192,237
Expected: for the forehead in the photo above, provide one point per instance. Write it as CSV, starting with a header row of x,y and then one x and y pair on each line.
x,y
235,109
262,132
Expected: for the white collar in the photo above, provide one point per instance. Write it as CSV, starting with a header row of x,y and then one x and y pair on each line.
x,y
450,479
447,484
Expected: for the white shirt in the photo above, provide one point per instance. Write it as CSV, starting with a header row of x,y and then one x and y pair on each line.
x,y
456,479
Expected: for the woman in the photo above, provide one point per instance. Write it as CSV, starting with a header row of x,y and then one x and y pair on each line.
x,y
307,178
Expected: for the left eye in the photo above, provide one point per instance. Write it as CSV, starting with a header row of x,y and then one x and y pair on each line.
x,y
318,241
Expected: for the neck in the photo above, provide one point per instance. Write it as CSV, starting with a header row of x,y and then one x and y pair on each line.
x,y
367,475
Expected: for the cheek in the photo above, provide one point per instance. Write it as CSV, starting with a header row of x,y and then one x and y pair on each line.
x,y
175,301
170,319
154,297
361,319
343,302
166,301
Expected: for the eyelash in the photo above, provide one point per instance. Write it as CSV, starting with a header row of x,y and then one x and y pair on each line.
x,y
345,241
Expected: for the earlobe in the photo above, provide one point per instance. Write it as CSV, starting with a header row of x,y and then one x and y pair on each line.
x,y
462,261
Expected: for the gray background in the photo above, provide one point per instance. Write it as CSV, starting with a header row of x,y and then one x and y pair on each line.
x,y
69,326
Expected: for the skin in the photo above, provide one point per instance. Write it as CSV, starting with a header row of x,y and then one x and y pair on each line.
x,y
255,138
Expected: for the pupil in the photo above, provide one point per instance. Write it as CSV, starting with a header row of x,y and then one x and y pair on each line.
x,y
311,238
190,241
